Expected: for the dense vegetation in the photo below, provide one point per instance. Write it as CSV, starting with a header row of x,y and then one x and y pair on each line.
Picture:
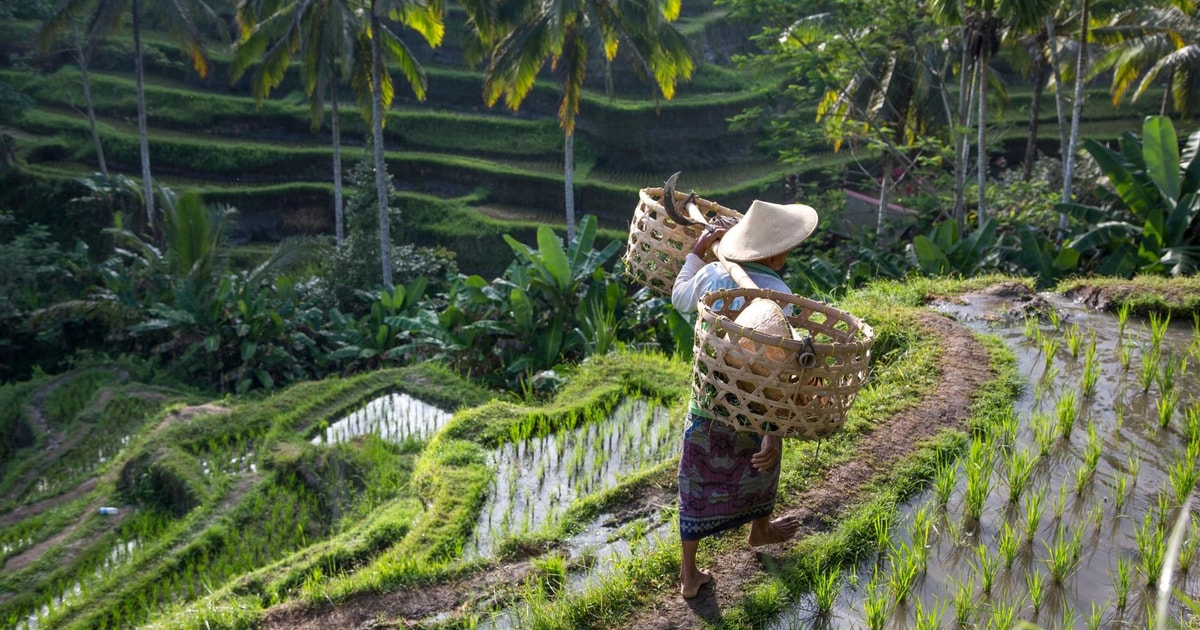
x,y
983,135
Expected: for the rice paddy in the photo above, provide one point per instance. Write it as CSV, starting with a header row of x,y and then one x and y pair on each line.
x,y
1068,525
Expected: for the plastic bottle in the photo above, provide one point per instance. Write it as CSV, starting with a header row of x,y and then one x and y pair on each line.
x,y
109,511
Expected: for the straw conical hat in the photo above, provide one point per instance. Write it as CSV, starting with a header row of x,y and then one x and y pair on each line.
x,y
767,317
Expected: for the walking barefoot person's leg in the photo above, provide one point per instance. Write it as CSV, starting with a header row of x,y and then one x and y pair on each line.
x,y
691,578
764,531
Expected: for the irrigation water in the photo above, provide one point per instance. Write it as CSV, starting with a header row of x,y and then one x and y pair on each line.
x,y
1058,517
394,417
537,479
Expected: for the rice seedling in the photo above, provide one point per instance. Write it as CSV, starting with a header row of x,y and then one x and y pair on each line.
x,y
1055,319
1032,331
1126,355
1166,407
1063,555
1191,423
1119,416
876,605
979,480
921,530
1135,464
1045,384
1074,340
1060,504
1187,552
1151,544
1035,586
1021,463
1122,319
1033,514
1008,544
1005,428
1091,370
1122,580
931,620
1165,378
965,609
1158,328
1067,616
1093,620
1049,350
1066,411
1045,433
986,568
944,481
826,586
1004,614
906,568
881,527
1183,473
1149,373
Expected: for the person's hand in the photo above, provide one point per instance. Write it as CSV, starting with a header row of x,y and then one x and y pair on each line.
x,y
767,456
709,236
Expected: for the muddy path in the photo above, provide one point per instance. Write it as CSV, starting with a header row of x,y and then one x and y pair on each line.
x,y
965,369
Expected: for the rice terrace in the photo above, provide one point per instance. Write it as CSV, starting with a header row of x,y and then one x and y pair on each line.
x,y
360,313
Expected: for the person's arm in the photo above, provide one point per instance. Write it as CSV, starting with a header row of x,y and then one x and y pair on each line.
x,y
685,293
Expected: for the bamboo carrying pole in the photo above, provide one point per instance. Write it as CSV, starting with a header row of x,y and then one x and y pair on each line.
x,y
806,359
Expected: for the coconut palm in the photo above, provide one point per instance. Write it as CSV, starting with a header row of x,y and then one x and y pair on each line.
x,y
105,16
1155,44
81,49
983,24
322,32
385,45
565,33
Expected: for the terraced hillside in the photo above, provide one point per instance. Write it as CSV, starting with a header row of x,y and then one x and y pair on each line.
x,y
207,134
459,167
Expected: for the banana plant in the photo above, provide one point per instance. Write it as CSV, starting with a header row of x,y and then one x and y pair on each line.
x,y
1039,257
1148,223
384,332
945,251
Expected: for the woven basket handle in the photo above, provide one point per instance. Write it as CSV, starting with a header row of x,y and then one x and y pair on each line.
x,y
807,358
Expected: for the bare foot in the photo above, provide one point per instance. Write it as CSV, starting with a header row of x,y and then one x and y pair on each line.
x,y
690,587
776,531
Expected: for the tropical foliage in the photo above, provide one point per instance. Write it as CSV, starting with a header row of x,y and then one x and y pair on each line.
x,y
1148,221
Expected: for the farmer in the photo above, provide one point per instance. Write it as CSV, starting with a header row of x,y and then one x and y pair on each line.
x,y
726,477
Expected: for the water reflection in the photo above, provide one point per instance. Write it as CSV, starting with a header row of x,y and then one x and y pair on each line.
x,y
394,417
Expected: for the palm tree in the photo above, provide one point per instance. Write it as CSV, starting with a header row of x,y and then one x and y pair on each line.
x,y
106,16
1153,44
82,51
564,33
323,33
983,24
424,17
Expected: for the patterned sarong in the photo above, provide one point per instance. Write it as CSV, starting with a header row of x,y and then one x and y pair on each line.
x,y
718,488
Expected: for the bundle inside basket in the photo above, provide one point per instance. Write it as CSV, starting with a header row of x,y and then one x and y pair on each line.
x,y
796,383
658,245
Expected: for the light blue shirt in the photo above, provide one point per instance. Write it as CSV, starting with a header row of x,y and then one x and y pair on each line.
x,y
697,278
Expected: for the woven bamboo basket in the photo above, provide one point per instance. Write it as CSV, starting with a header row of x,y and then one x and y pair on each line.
x,y
658,245
800,386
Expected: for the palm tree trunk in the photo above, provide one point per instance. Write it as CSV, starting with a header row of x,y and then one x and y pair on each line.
x,y
885,187
1076,114
336,132
81,58
569,183
143,136
1035,107
963,144
381,175
1058,93
981,139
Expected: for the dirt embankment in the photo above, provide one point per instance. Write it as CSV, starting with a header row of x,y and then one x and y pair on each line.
x,y
965,369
